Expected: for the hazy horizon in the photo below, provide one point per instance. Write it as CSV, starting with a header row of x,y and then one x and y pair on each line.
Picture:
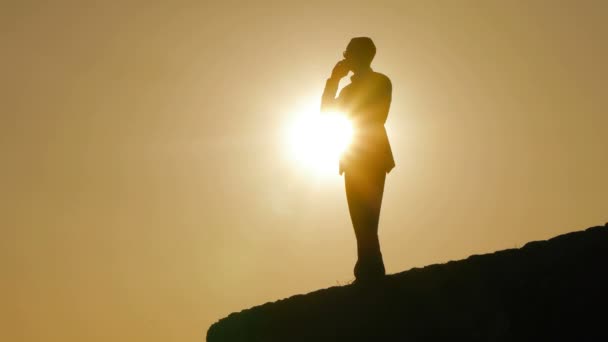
x,y
147,191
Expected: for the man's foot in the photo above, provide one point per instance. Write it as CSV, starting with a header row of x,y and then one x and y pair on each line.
x,y
369,270
369,280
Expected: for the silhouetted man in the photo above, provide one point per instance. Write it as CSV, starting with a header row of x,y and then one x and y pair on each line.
x,y
366,101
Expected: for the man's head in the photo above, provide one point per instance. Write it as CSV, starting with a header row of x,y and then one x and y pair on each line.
x,y
359,53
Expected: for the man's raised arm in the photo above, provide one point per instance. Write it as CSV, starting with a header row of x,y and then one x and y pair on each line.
x,y
328,101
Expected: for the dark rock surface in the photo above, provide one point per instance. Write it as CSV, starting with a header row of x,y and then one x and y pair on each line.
x,y
547,290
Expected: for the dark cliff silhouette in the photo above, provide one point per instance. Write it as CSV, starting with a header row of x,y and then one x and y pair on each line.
x,y
547,290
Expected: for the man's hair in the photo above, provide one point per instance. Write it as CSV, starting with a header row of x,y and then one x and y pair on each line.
x,y
363,48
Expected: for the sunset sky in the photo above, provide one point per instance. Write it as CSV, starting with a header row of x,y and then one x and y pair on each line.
x,y
146,187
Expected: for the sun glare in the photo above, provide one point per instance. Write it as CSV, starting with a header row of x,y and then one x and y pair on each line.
x,y
316,140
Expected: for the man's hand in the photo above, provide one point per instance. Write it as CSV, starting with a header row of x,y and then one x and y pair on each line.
x,y
340,70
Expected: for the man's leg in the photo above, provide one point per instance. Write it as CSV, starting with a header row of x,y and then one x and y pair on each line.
x,y
364,190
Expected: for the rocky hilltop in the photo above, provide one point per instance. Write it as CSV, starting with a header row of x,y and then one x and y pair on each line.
x,y
546,290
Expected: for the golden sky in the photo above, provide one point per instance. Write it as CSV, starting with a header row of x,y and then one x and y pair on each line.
x,y
145,188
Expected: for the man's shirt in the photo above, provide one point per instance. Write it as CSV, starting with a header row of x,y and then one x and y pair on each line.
x,y
366,102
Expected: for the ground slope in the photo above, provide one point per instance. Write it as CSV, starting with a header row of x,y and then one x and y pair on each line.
x,y
547,290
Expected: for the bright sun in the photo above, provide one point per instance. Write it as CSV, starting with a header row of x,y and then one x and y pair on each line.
x,y
316,140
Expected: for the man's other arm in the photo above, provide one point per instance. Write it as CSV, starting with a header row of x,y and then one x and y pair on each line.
x,y
383,99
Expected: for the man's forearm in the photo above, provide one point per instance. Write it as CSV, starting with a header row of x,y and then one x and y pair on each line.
x,y
329,94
